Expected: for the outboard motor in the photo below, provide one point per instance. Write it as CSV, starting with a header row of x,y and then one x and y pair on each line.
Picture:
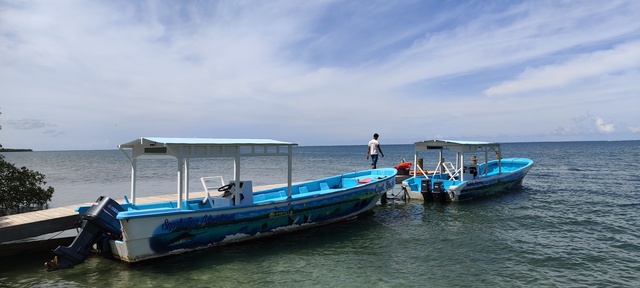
x,y
439,192
98,223
425,190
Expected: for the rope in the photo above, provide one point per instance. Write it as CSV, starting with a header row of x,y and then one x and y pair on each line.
x,y
76,224
402,192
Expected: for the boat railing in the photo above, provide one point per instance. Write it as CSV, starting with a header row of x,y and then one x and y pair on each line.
x,y
208,188
422,171
451,170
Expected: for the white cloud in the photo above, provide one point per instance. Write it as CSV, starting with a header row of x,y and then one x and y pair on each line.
x,y
317,73
635,129
604,127
579,68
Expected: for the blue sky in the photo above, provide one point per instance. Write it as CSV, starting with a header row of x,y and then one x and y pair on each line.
x,y
95,74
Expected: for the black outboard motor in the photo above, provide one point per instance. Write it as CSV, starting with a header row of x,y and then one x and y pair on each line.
x,y
97,223
439,192
425,190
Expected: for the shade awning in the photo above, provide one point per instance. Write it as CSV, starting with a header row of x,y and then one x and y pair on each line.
x,y
163,147
456,145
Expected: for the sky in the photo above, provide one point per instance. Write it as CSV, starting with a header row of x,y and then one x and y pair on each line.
x,y
84,75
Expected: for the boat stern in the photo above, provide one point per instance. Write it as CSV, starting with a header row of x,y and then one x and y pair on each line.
x,y
432,189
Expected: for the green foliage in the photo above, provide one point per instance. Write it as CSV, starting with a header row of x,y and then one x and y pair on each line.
x,y
20,189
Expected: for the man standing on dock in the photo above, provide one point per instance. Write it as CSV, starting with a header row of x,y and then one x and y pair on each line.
x,y
372,149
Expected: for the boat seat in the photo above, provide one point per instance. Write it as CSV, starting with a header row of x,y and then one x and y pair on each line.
x,y
219,201
269,196
259,198
302,190
349,182
324,186
208,188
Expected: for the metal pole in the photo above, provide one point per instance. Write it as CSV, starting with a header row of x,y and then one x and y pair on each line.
x,y
186,178
134,163
180,181
236,177
289,168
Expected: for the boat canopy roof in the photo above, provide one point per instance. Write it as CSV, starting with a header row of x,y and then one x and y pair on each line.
x,y
162,147
456,146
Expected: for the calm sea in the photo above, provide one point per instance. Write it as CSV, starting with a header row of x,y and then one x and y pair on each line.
x,y
574,223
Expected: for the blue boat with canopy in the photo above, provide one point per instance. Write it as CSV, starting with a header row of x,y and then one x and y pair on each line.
x,y
478,170
133,231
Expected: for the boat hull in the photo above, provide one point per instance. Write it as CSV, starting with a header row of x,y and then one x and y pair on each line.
x,y
172,232
511,178
482,188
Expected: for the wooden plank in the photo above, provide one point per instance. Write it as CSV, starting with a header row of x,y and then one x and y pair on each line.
x,y
11,249
37,228
36,223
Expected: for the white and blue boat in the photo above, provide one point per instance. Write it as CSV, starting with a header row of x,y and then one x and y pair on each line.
x,y
465,177
133,231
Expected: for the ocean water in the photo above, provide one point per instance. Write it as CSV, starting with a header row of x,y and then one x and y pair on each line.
x,y
574,223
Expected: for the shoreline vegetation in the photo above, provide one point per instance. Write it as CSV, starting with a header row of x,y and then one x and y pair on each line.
x,y
15,150
22,189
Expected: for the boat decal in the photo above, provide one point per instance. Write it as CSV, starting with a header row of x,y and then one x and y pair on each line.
x,y
192,222
209,229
